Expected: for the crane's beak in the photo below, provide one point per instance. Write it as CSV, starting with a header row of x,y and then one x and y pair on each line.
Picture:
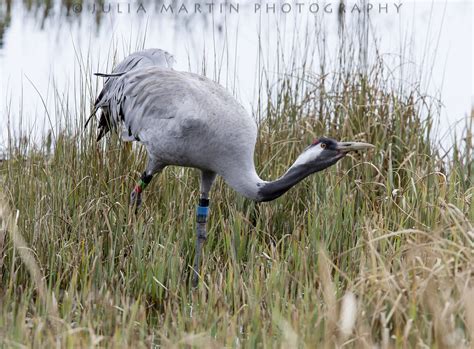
x,y
346,147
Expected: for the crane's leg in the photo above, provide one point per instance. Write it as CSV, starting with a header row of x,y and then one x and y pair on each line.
x,y
207,178
152,168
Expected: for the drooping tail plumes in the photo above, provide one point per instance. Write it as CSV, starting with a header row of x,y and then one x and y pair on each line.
x,y
110,100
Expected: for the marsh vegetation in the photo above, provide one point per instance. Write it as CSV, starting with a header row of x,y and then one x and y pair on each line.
x,y
375,251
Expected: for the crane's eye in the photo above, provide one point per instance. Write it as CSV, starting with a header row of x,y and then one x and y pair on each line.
x,y
323,145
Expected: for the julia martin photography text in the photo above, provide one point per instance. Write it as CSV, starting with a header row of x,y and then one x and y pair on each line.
x,y
236,7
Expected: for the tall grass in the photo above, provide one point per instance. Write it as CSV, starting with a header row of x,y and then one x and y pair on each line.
x,y
376,251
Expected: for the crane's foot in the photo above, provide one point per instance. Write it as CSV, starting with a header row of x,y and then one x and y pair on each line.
x,y
201,236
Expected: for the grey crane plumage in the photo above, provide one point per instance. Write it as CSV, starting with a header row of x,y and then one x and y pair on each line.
x,y
185,119
109,99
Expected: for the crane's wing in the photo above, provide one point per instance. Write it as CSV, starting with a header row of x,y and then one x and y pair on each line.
x,y
111,98
152,57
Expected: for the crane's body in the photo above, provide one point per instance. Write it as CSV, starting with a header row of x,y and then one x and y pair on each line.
x,y
185,119
197,124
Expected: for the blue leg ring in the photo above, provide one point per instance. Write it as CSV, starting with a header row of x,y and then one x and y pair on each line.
x,y
202,213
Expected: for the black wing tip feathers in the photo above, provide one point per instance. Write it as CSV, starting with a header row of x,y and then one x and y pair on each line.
x,y
111,75
89,118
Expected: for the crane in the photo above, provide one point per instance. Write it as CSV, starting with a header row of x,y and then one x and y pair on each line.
x,y
185,119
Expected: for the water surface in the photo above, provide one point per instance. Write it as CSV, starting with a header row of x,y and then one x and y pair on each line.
x,y
45,46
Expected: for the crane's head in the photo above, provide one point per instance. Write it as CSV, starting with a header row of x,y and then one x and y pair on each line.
x,y
325,152
321,154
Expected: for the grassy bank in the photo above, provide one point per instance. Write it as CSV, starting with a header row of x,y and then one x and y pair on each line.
x,y
377,250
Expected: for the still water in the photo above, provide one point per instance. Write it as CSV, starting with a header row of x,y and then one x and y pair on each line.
x,y
47,45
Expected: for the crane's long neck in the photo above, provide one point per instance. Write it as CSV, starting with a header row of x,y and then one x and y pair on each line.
x,y
249,184
272,190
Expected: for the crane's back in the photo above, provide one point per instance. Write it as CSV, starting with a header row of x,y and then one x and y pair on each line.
x,y
183,119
